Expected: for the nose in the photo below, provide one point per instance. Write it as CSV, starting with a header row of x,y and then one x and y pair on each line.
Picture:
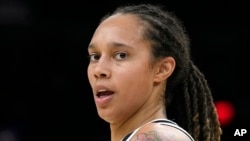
x,y
102,69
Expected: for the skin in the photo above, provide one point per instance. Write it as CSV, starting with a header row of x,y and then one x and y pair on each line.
x,y
121,64
157,132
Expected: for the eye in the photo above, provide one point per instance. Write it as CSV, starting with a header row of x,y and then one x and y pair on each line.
x,y
121,55
94,57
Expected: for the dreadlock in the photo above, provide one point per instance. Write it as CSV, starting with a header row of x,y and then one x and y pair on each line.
x,y
188,97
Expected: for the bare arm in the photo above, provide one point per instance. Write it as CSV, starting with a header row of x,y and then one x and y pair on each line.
x,y
156,132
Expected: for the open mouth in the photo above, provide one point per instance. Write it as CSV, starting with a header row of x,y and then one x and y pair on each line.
x,y
103,93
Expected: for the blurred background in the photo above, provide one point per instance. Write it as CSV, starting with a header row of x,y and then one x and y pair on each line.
x,y
45,92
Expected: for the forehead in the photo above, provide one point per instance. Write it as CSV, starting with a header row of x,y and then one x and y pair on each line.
x,y
124,20
120,28
122,25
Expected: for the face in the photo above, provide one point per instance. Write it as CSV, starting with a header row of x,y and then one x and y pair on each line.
x,y
120,71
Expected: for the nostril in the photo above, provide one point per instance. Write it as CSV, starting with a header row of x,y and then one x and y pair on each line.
x,y
102,72
103,75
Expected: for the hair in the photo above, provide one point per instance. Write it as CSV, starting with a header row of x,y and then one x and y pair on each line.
x,y
188,98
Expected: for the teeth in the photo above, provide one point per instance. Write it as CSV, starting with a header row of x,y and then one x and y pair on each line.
x,y
102,90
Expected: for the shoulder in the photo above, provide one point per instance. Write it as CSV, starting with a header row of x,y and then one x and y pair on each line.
x,y
158,132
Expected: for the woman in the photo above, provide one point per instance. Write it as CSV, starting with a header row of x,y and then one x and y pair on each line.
x,y
144,82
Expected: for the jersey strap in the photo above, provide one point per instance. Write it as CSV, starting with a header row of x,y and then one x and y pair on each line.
x,y
162,122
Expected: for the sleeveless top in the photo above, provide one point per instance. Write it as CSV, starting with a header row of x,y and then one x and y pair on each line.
x,y
162,122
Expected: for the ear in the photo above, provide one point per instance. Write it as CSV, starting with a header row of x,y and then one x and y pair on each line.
x,y
164,69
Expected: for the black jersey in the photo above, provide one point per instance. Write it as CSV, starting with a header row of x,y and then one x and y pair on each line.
x,y
162,122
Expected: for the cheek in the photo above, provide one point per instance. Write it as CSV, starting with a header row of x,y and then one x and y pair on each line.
x,y
134,87
136,78
90,74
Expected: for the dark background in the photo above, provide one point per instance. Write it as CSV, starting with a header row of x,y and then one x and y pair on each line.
x,y
45,93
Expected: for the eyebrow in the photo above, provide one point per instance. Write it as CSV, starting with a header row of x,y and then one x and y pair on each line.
x,y
112,44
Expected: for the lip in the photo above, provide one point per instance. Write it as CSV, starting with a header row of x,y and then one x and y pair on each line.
x,y
105,99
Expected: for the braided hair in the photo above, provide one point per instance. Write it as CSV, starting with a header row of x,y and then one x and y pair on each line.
x,y
188,98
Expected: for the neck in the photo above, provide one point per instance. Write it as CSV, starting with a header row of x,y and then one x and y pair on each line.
x,y
149,113
153,108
